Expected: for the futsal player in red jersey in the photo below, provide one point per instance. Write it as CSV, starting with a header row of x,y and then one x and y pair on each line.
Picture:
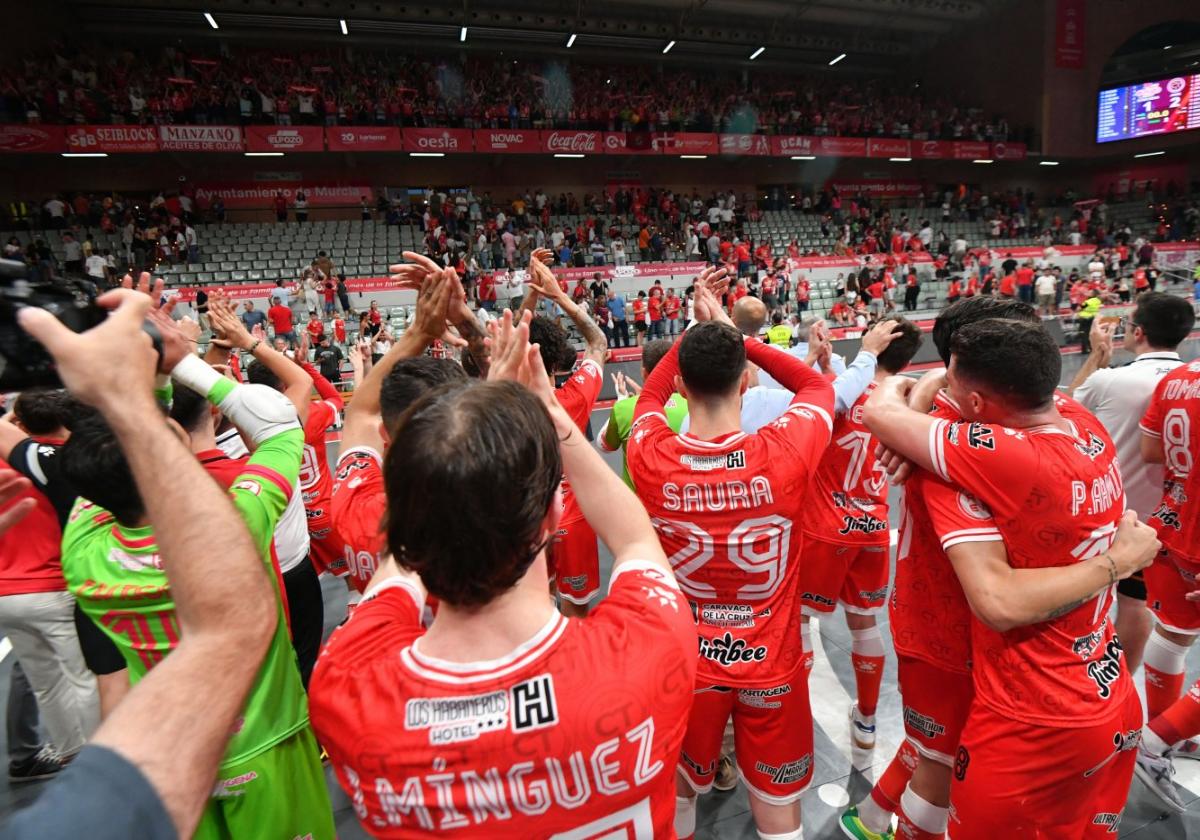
x,y
1171,436
724,505
506,719
1055,720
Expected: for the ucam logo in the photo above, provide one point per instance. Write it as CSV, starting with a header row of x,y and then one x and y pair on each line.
x,y
795,145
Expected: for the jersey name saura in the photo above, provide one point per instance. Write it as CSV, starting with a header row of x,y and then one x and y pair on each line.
x,y
1057,498
115,573
848,500
725,512
572,736
930,616
1174,416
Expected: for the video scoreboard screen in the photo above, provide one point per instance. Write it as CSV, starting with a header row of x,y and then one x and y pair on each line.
x,y
1148,108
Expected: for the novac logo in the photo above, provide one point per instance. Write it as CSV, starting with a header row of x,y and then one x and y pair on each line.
x,y
576,141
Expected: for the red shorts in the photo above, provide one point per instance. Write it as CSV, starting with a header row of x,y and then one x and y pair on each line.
x,y
1025,782
855,576
936,703
1168,579
575,559
772,735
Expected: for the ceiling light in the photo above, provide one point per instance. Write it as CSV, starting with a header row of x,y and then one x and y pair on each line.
x,y
1149,154
462,35
211,20
1047,163
564,155
571,40
263,154
1168,46
900,160
757,53
982,160
426,154
85,154
693,157
804,157
345,28
667,48
836,60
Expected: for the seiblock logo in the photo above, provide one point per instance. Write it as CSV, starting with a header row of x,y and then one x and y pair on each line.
x,y
576,141
795,145
442,142
287,137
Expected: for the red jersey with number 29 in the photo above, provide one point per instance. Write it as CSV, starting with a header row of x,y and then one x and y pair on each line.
x,y
358,505
316,486
725,512
574,735
1174,416
848,500
930,616
1057,499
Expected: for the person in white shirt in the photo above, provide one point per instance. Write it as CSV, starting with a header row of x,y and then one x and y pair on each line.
x,y
618,250
97,269
1075,238
1118,396
57,210
1096,268
193,248
1045,287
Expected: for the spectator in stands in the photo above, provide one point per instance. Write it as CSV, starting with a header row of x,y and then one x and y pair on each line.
x,y
1046,287
364,209
300,204
282,293
56,210
329,359
252,317
281,321
329,291
616,305
72,255
281,210
842,314
315,328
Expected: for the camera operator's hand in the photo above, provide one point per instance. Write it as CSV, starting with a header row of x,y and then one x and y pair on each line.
x,y
110,366
175,344
152,289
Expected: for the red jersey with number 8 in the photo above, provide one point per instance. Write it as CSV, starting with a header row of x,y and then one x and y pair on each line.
x,y
725,512
1057,498
1174,416
848,500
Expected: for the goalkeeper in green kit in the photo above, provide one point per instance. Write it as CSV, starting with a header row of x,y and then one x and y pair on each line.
x,y
270,782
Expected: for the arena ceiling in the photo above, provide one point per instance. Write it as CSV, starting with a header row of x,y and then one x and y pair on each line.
x,y
875,35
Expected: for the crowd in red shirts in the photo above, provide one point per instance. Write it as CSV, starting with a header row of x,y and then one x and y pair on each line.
x,y
174,85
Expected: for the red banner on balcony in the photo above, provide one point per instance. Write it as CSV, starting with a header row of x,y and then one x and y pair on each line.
x,y
112,138
285,138
445,140
200,138
30,139
634,143
877,188
687,143
744,144
960,150
1068,34
1005,150
888,147
569,142
504,140
842,146
362,138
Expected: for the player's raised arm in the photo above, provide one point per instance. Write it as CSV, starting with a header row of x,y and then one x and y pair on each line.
x,y
612,510
543,279
226,618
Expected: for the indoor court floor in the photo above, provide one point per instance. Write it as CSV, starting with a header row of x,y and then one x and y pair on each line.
x,y
726,815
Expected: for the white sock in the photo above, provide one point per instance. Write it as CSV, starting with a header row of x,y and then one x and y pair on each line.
x,y
1154,744
685,816
1163,655
924,815
798,834
867,642
873,816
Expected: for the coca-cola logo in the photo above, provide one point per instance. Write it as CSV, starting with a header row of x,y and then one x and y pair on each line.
x,y
286,138
445,140
572,141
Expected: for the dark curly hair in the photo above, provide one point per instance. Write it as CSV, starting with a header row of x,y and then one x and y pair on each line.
x,y
485,455
557,354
